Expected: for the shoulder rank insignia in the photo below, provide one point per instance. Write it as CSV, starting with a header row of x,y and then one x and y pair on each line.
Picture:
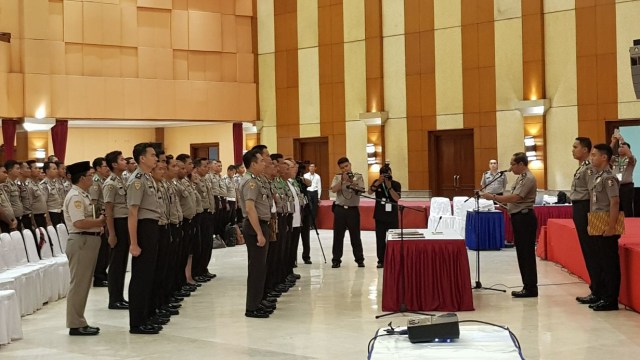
x,y
77,204
139,175
252,185
137,184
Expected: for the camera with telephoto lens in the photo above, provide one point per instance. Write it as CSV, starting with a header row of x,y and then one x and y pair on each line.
x,y
385,171
350,175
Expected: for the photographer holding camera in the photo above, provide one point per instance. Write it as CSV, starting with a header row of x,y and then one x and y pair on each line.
x,y
385,213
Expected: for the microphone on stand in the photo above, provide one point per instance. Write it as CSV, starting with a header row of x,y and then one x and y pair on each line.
x,y
435,231
504,171
356,189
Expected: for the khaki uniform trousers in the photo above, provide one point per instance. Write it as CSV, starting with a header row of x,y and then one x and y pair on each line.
x,y
82,252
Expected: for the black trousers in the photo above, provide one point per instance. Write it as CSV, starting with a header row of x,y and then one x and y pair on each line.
x,y
285,267
231,214
187,230
118,260
56,218
203,257
305,234
587,244
25,221
626,199
274,255
162,264
607,267
257,264
143,268
293,248
381,237
100,272
313,205
171,280
40,220
524,238
344,219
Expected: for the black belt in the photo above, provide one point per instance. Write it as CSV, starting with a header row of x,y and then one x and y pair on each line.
x,y
87,233
627,184
345,206
524,212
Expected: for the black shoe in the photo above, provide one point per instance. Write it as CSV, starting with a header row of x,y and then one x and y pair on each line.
x,y
308,262
194,284
119,306
271,299
335,265
210,275
296,276
361,264
100,284
181,294
380,266
256,314
201,279
524,294
84,331
589,299
282,288
176,299
144,330
605,306
158,321
268,305
189,288
163,314
265,310
274,294
157,327
125,301
170,310
174,306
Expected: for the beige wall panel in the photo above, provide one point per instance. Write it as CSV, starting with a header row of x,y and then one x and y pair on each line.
x,y
16,55
180,29
199,99
4,95
269,137
628,110
5,57
353,13
205,5
164,64
394,69
229,67
229,33
114,98
164,105
73,59
56,22
36,56
561,130
244,36
245,68
111,20
75,91
111,63
205,31
128,25
59,96
92,23
35,19
37,90
560,58
307,23
392,17
10,17
213,66
16,95
446,122
447,13
178,139
244,7
163,29
158,4
92,60
180,4
129,62
356,132
267,86
184,101
180,65
508,60
197,65
82,144
218,101
266,30
510,134
396,148
93,97
448,44
146,27
627,29
309,130
506,9
309,86
132,109
355,80
73,21
57,57
558,5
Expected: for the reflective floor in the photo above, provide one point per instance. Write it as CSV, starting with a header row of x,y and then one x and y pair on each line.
x,y
330,315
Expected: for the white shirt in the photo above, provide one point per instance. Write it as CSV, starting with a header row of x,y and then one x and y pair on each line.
x,y
316,184
296,206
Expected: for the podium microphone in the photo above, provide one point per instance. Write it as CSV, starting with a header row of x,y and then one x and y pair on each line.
x,y
435,231
504,171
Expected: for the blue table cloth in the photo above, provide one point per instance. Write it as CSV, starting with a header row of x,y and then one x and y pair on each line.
x,y
489,225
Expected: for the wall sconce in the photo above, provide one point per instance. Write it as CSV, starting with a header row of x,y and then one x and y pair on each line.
x,y
533,107
41,154
371,154
530,148
36,124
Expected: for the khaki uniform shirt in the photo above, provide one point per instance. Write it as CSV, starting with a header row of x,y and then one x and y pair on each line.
x,y
623,168
13,193
114,192
497,186
580,184
5,204
38,197
344,196
203,190
66,186
230,187
525,186
77,206
141,191
252,188
175,210
213,190
163,201
602,187
95,191
51,193
25,196
187,197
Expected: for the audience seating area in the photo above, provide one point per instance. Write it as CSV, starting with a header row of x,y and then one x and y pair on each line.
x,y
27,280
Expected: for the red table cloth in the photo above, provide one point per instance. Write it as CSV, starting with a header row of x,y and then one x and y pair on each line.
x,y
437,276
543,213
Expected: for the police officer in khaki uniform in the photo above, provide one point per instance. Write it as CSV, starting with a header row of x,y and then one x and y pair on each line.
x,y
38,196
187,198
51,193
13,191
580,207
176,216
203,187
144,215
605,197
64,185
346,213
25,197
623,165
8,221
97,198
255,200
520,207
116,211
498,186
192,229
82,247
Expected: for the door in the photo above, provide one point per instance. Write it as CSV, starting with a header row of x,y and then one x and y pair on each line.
x,y
210,151
315,151
451,163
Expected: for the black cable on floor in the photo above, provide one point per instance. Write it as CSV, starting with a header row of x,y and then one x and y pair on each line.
x,y
554,284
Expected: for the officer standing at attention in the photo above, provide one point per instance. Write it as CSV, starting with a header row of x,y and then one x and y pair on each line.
x,y
8,221
49,186
116,212
64,185
144,214
580,206
521,200
498,186
187,199
82,247
203,187
101,173
13,191
255,200
38,196
25,197
346,215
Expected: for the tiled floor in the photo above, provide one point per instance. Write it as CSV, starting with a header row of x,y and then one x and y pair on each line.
x,y
330,315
